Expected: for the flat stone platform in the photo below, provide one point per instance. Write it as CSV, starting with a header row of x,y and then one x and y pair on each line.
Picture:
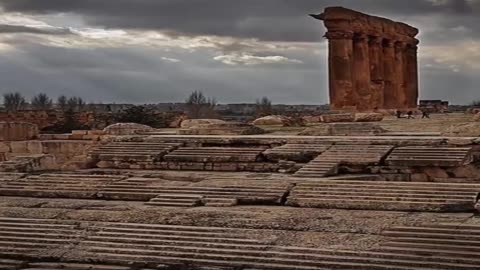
x,y
122,219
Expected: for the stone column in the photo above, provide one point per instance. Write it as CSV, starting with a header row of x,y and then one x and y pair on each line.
x,y
377,67
340,51
412,75
361,73
389,74
400,70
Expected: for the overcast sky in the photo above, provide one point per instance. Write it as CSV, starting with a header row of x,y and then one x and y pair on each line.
x,y
150,51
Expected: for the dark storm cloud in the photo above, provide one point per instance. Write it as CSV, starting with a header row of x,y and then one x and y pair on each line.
x,y
7,29
284,20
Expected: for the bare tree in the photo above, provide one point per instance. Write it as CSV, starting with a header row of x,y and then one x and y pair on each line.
x,y
62,103
42,102
76,104
200,106
14,101
264,107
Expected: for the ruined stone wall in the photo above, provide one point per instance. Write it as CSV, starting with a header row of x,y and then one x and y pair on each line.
x,y
372,61
17,131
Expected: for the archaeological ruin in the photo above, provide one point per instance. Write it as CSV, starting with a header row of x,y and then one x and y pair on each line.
x,y
344,190
372,61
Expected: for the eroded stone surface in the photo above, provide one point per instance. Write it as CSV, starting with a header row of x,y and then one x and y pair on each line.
x,y
17,131
126,129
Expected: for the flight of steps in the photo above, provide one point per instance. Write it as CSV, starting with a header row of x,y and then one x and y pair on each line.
x,y
295,152
8,264
188,196
441,156
57,185
176,200
36,237
7,176
132,151
215,154
80,266
396,196
78,244
327,163
454,242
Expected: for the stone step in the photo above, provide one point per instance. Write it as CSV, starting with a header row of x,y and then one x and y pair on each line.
x,y
76,266
8,264
220,202
122,243
413,194
428,156
385,196
254,259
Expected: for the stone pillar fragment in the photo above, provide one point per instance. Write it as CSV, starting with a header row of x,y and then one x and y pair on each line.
x,y
377,68
399,67
361,73
412,75
389,93
340,61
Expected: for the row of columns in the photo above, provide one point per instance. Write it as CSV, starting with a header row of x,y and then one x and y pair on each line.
x,y
371,72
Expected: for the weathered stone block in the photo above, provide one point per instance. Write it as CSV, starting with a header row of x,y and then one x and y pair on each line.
x,y
368,117
17,131
333,118
126,129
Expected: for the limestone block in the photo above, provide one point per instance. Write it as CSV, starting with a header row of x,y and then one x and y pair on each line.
x,y
435,172
463,130
368,117
343,117
469,171
34,147
79,132
195,122
17,131
321,130
4,147
271,120
126,129
227,128
19,146
419,177
476,117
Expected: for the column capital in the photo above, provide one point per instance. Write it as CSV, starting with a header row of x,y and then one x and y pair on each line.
x,y
339,35
376,40
360,37
388,43
400,45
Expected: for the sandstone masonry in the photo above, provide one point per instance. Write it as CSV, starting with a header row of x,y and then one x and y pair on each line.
x,y
372,61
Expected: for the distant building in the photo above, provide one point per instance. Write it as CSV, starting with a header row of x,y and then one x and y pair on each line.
x,y
434,105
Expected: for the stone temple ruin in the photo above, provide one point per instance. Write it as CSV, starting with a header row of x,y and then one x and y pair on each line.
x,y
131,197
372,61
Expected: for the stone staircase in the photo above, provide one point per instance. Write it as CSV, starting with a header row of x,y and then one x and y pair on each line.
x,y
228,195
176,200
429,156
116,153
215,154
7,176
80,266
117,245
396,196
29,163
57,185
36,237
327,163
455,242
7,264
295,152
